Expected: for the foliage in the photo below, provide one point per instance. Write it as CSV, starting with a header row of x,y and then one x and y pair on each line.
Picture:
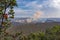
x,y
50,34
4,17
53,33
4,5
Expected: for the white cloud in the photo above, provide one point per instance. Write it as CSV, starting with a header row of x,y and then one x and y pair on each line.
x,y
55,3
37,7
37,15
51,3
34,5
23,13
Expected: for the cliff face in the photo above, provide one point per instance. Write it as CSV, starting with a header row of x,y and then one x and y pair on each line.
x,y
28,28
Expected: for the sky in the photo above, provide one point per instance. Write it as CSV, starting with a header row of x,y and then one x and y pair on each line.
x,y
38,8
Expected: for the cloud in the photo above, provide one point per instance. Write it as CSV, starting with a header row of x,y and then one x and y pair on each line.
x,y
23,13
33,5
37,15
50,8
55,4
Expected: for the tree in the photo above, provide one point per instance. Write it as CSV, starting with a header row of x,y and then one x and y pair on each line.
x,y
4,5
53,33
4,17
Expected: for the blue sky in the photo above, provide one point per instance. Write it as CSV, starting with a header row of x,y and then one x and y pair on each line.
x,y
38,8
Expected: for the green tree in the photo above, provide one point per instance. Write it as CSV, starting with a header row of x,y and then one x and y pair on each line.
x,y
4,16
53,33
4,5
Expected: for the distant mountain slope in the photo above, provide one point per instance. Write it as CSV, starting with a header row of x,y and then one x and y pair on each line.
x,y
54,19
28,28
48,20
39,20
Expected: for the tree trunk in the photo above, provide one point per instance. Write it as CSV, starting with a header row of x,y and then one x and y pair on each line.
x,y
3,16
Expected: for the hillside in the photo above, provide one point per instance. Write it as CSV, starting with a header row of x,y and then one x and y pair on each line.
x,y
32,27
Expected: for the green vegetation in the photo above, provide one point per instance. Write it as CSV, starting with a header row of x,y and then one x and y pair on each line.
x,y
4,6
4,17
50,34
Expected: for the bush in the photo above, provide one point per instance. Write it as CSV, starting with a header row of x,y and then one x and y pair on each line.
x,y
50,34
